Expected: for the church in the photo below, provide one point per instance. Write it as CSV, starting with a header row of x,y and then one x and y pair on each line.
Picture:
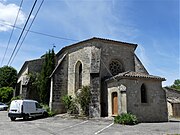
x,y
118,81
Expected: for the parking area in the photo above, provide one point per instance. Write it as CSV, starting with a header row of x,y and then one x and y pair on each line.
x,y
68,126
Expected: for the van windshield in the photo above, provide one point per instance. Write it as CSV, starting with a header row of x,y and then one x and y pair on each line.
x,y
38,105
14,105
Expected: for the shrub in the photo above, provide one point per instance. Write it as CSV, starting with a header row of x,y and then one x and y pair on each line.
x,y
70,104
126,119
73,107
67,101
46,107
84,99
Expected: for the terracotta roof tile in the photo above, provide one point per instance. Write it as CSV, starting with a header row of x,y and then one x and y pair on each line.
x,y
132,74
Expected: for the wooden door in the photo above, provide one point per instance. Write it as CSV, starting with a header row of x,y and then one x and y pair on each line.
x,y
114,103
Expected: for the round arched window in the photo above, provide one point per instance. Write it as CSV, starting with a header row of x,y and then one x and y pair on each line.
x,y
115,67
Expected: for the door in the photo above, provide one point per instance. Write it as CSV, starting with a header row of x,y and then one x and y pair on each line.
x,y
114,103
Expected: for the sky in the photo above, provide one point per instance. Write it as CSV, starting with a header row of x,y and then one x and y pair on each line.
x,y
152,24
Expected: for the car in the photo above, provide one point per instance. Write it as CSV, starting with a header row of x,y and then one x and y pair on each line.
x,y
25,109
3,107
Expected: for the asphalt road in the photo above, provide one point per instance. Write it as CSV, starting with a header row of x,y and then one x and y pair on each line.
x,y
68,126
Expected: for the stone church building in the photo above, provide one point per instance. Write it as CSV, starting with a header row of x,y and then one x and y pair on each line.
x,y
118,80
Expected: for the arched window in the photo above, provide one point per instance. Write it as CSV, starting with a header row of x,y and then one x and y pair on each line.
x,y
115,67
143,94
78,76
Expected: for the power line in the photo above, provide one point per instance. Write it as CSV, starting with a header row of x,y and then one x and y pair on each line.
x,y
12,32
22,31
27,32
40,33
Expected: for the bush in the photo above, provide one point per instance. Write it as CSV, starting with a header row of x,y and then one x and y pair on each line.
x,y
67,101
126,119
6,93
46,107
16,98
84,99
70,104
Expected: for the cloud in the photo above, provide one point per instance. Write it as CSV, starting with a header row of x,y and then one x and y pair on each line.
x,y
143,56
8,15
3,0
85,19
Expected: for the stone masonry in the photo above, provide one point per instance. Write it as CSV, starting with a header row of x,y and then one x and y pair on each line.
x,y
118,81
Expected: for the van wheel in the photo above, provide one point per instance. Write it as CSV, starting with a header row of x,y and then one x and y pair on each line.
x,y
12,118
45,114
26,117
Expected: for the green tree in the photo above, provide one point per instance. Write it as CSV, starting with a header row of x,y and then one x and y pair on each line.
x,y
6,93
176,84
44,80
8,77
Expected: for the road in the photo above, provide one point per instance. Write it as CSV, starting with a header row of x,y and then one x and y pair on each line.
x,y
68,126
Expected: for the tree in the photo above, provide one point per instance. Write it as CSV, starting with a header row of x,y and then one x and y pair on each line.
x,y
176,84
6,93
8,77
44,80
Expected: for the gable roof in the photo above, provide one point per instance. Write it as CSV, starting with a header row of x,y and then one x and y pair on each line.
x,y
58,65
25,65
132,74
96,39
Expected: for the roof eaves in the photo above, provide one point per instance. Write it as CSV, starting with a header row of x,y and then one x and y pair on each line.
x,y
26,64
131,74
23,67
58,65
94,38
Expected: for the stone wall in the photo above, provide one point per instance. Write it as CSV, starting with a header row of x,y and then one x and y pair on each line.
x,y
155,109
121,52
95,107
59,86
139,66
35,65
83,55
95,58
89,57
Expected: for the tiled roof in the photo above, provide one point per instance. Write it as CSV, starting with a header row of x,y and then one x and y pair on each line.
x,y
173,99
132,74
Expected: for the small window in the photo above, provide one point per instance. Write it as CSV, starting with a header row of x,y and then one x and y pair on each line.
x,y
143,94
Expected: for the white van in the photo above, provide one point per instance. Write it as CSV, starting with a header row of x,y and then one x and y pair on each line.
x,y
25,109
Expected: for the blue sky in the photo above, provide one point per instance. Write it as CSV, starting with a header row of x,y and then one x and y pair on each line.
x,y
152,24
